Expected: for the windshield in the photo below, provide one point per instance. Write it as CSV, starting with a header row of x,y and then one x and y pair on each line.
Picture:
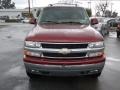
x,y
64,15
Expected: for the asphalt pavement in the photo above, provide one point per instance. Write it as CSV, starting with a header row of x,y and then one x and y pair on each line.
x,y
12,71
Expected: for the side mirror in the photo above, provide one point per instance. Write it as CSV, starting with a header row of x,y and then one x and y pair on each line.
x,y
33,21
94,21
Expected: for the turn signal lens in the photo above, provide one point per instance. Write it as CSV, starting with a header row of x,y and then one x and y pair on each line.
x,y
29,53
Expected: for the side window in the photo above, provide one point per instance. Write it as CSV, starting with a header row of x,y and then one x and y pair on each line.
x,y
114,24
111,23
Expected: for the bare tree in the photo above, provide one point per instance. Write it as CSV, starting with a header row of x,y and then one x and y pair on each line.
x,y
67,1
7,4
102,7
0,5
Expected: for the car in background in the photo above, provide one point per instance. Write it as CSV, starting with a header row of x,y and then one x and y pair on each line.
x,y
26,20
111,24
101,26
29,20
4,17
118,29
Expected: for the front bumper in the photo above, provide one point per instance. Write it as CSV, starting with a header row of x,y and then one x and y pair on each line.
x,y
64,70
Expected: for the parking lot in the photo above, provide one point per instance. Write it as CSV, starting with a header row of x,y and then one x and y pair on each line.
x,y
12,71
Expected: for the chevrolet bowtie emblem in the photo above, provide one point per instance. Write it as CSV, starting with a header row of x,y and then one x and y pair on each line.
x,y
65,51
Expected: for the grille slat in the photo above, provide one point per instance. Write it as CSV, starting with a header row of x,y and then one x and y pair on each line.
x,y
69,46
58,55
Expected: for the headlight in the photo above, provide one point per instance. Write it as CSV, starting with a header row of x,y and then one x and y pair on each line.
x,y
32,44
96,45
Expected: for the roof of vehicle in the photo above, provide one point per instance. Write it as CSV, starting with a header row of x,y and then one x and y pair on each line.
x,y
107,19
103,19
96,17
63,5
100,19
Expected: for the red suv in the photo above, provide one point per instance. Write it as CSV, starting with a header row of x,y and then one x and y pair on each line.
x,y
64,44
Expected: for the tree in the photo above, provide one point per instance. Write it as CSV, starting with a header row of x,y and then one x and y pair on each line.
x,y
102,7
114,14
89,12
66,1
108,13
0,5
7,4
98,14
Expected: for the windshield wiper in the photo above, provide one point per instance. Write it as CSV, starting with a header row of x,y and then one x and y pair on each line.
x,y
72,22
50,22
62,22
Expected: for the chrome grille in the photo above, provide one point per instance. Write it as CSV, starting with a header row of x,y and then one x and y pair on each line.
x,y
58,55
64,45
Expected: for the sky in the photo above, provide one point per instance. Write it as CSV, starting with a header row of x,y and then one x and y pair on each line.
x,y
84,3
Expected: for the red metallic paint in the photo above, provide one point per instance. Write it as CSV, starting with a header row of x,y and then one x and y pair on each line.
x,y
93,60
64,33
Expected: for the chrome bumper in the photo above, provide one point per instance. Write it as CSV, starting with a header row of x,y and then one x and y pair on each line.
x,y
59,50
64,70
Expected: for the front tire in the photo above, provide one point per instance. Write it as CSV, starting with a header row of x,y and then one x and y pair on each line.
x,y
30,75
118,34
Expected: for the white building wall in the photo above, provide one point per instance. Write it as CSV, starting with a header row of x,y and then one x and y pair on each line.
x,y
12,14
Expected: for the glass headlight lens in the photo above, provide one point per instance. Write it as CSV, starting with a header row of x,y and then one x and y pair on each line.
x,y
32,44
96,45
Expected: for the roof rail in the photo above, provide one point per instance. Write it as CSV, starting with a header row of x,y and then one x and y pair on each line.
x,y
63,4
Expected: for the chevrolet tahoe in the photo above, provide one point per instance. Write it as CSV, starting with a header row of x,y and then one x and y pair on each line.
x,y
63,43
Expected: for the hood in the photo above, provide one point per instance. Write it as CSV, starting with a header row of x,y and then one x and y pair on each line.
x,y
64,33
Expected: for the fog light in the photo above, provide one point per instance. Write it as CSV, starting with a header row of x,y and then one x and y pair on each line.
x,y
95,54
36,54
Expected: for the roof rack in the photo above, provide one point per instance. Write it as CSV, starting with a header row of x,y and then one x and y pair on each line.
x,y
62,4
